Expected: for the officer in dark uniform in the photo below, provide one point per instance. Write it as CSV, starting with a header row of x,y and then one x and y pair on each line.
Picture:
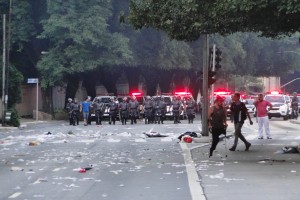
x,y
148,110
75,107
176,108
163,109
157,110
123,107
190,109
68,108
98,107
133,109
113,109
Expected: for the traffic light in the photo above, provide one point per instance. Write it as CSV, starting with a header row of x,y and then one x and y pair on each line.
x,y
211,77
218,59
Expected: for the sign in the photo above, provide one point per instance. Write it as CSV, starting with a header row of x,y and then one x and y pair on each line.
x,y
8,116
32,80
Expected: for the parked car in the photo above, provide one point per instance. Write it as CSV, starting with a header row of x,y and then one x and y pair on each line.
x,y
106,100
281,105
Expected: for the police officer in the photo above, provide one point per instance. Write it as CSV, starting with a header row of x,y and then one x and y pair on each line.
x,y
163,109
133,109
75,107
157,111
123,107
68,108
113,109
176,108
98,107
190,109
148,110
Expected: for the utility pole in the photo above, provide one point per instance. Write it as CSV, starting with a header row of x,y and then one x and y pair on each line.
x,y
205,87
7,55
3,70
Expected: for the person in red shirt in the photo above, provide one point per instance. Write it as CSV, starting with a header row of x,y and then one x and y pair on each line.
x,y
262,108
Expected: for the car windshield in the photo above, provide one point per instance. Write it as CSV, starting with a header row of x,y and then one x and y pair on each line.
x,y
167,100
105,99
273,98
249,101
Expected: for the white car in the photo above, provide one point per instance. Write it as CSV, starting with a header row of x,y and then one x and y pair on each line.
x,y
281,105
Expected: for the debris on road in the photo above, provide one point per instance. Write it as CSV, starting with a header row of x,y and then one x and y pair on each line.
x,y
154,134
34,143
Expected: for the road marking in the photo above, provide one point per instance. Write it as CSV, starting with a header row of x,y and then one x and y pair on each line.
x,y
193,178
15,195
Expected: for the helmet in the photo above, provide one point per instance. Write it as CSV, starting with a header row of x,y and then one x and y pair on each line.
x,y
69,99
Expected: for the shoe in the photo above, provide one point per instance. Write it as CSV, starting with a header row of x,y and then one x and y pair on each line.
x,y
269,138
210,153
260,138
232,149
247,146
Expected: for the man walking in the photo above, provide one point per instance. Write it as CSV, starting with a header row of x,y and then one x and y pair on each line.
x,y
240,114
217,122
262,116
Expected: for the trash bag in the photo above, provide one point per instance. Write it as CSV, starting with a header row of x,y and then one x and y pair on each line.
x,y
290,149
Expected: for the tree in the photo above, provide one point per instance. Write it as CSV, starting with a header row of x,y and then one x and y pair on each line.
x,y
187,20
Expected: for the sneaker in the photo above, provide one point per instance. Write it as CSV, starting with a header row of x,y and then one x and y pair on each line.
x,y
232,149
269,138
247,146
260,138
210,153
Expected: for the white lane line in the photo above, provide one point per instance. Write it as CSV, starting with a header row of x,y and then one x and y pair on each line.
x,y
15,195
193,179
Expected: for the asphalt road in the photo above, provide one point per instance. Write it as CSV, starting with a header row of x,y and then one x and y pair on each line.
x,y
128,165
42,161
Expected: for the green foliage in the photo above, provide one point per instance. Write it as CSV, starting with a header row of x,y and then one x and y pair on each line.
x,y
15,119
15,80
82,41
187,20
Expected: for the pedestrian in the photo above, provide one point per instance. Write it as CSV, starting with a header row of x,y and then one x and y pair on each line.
x,y
113,109
240,113
123,107
75,108
217,122
262,108
89,119
133,109
190,109
85,109
69,110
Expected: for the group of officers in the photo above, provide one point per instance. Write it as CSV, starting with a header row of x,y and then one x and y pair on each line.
x,y
154,109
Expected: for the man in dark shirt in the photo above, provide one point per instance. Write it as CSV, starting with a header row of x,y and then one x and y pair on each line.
x,y
240,114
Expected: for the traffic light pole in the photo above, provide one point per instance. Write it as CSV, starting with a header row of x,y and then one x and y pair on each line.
x,y
212,88
205,102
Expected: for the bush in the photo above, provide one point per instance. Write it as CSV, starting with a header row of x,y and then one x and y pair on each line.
x,y
14,119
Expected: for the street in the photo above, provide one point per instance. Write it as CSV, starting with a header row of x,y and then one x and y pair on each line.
x,y
43,161
125,163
